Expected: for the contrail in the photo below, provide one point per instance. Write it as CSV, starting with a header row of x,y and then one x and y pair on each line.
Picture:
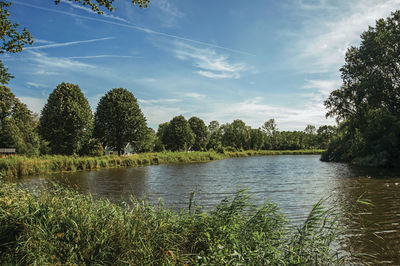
x,y
131,26
53,45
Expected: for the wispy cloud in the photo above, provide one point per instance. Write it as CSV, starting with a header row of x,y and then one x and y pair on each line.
x,y
254,112
325,43
209,63
89,10
102,56
153,101
167,12
55,45
196,95
35,85
45,61
135,27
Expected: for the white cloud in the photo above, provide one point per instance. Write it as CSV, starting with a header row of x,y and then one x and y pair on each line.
x,y
45,62
55,45
167,13
195,95
157,114
101,56
35,85
153,101
324,87
34,104
211,64
254,113
326,39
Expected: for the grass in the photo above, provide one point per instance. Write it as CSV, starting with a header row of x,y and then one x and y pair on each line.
x,y
14,167
61,226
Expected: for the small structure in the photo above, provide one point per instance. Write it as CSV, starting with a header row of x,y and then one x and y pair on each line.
x,y
129,149
7,151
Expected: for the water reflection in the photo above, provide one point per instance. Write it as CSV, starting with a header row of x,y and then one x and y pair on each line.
x,y
294,182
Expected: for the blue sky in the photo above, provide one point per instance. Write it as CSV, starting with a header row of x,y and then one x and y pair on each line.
x,y
218,60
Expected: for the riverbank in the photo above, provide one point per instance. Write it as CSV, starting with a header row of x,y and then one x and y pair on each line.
x,y
14,167
61,226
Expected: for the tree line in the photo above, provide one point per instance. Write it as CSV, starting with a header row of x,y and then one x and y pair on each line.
x,y
68,126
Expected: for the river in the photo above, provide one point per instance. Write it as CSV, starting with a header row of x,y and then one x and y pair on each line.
x,y
294,182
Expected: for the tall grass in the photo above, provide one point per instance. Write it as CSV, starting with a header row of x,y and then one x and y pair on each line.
x,y
14,167
61,226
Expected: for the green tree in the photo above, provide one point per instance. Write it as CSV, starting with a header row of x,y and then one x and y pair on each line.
x,y
369,94
179,136
199,129
118,120
148,141
108,4
161,137
17,125
256,139
66,121
236,135
215,133
270,130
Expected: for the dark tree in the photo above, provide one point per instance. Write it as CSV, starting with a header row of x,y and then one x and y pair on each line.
x,y
179,136
368,102
17,125
66,121
118,120
199,129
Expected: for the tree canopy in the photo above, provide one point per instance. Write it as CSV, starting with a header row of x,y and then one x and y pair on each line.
x,y
118,120
367,105
178,135
66,121
17,125
199,129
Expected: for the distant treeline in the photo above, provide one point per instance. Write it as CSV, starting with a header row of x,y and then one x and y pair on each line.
x,y
67,126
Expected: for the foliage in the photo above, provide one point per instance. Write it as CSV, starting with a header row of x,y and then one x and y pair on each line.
x,y
236,134
61,226
66,121
108,4
368,102
17,125
118,120
178,134
199,129
92,147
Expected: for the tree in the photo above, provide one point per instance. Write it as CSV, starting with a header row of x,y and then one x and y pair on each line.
x,y
179,136
256,139
108,4
370,94
66,121
17,125
236,135
215,133
270,130
199,129
118,120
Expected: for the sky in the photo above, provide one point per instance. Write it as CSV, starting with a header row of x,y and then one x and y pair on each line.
x,y
217,60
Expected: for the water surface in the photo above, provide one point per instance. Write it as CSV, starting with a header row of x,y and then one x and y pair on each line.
x,y
294,182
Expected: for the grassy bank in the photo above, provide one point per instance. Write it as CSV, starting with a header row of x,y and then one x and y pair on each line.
x,y
61,226
14,167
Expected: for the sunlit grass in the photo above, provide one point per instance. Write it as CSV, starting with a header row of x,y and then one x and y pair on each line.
x,y
17,166
60,226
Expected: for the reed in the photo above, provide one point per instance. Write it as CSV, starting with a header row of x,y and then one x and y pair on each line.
x,y
56,225
14,167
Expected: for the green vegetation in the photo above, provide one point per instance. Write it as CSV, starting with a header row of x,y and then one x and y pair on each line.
x,y
119,120
61,226
17,125
15,167
66,121
368,103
